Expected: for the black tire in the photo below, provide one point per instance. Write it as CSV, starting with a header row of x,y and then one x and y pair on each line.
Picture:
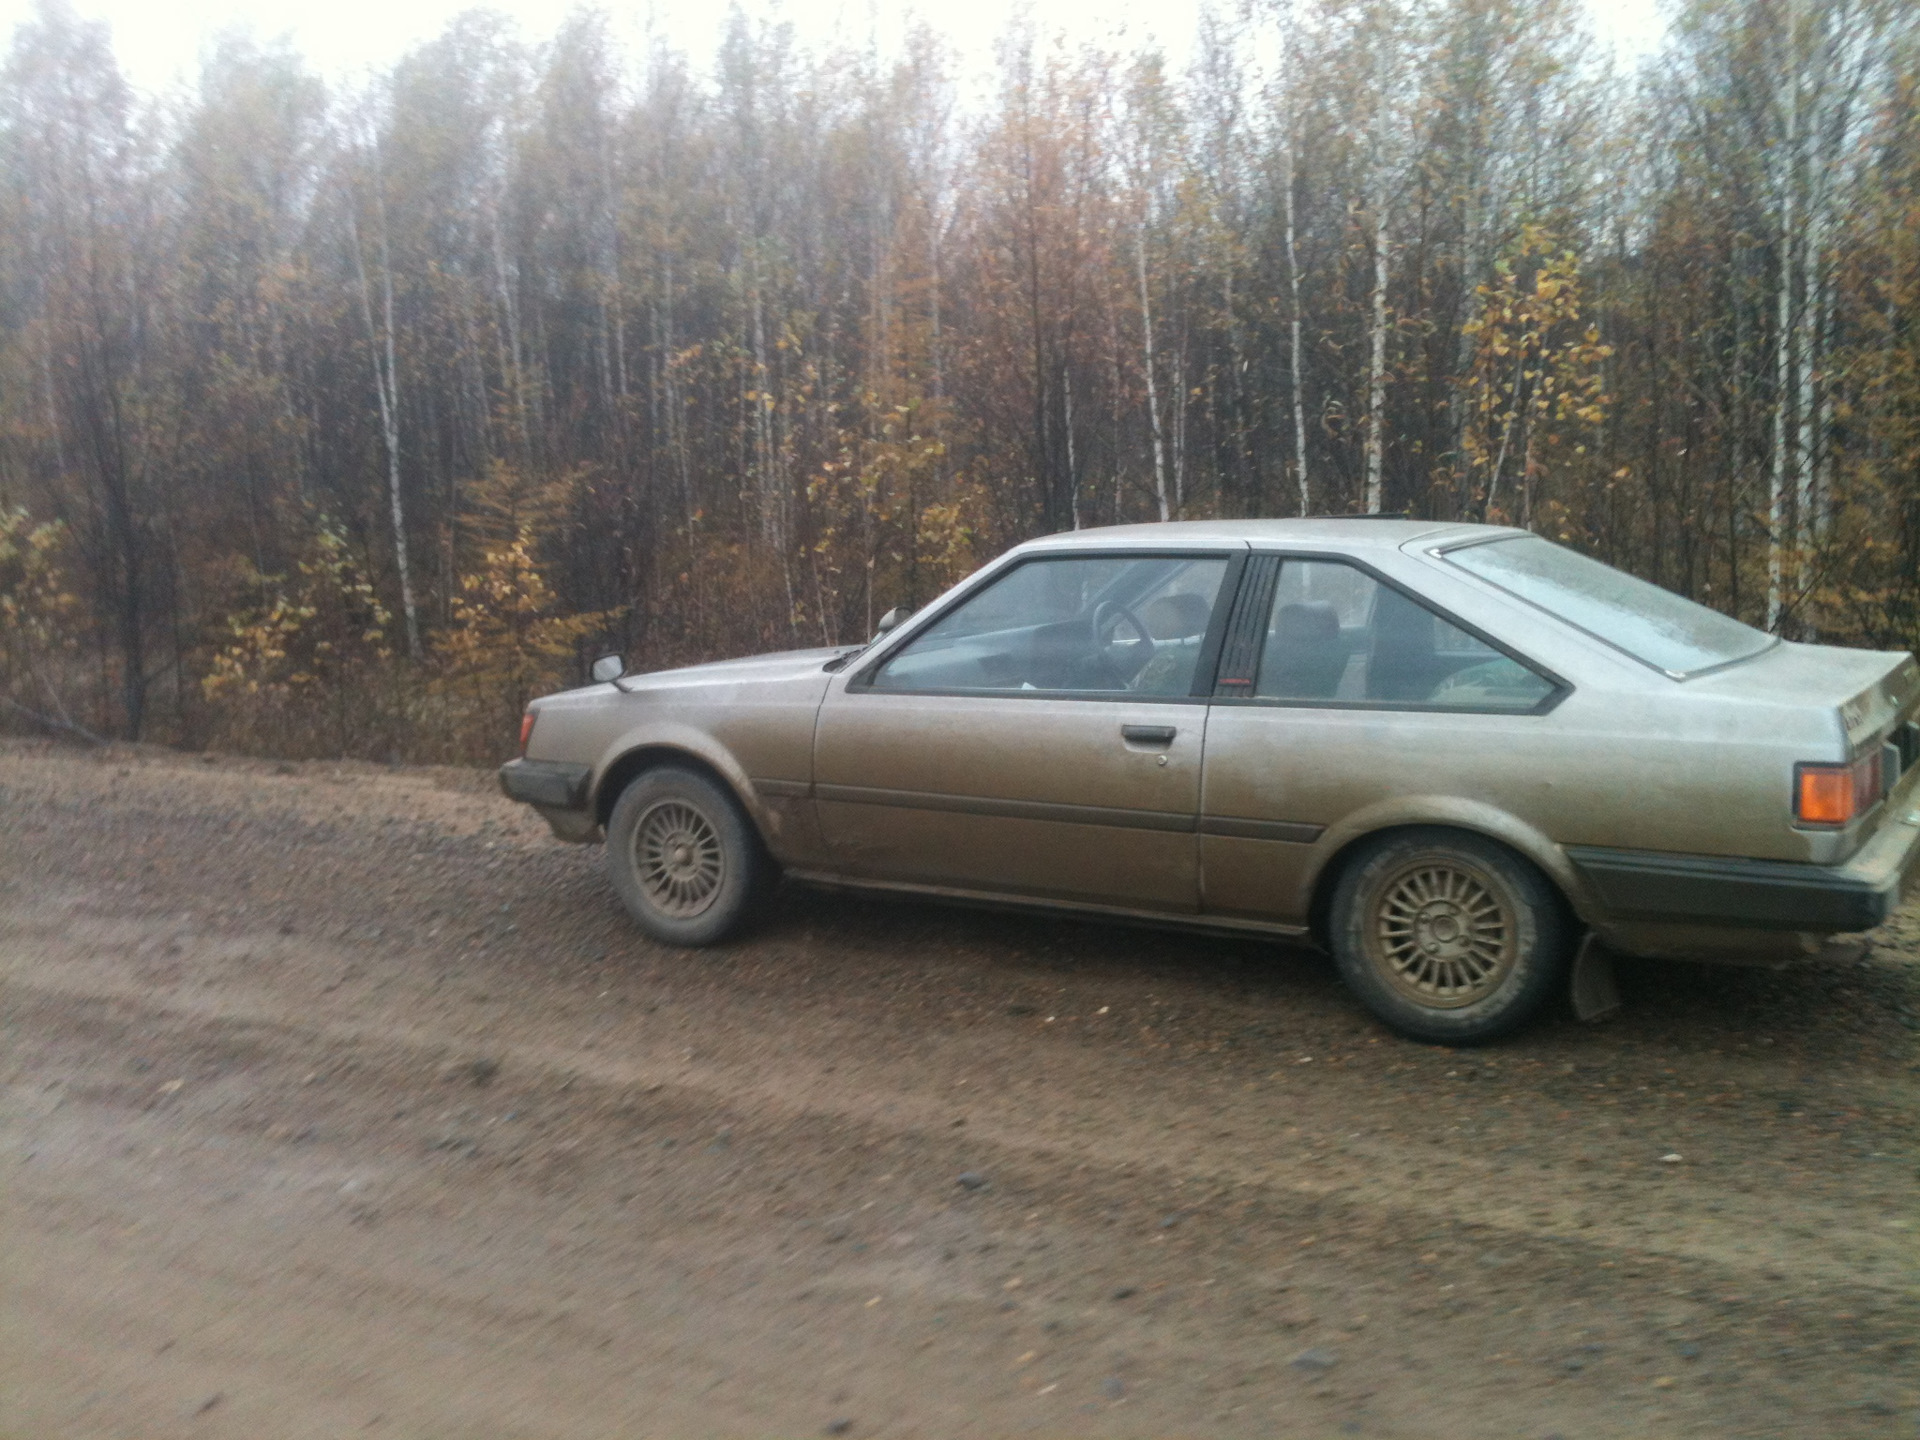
x,y
684,857
1449,937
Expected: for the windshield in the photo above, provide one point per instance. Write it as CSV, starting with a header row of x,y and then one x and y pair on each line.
x,y
1652,625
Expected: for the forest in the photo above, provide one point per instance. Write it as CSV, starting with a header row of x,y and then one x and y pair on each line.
x,y
337,421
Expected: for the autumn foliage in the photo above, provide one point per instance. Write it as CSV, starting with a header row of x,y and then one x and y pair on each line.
x,y
343,422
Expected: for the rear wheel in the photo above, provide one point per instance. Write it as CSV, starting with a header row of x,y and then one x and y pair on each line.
x,y
1448,936
684,857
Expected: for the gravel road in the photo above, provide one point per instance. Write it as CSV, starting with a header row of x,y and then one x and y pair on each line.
x,y
339,1099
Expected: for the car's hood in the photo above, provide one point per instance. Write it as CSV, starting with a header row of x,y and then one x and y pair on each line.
x,y
777,666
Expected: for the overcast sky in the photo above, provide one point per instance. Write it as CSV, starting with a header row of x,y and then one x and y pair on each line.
x,y
158,41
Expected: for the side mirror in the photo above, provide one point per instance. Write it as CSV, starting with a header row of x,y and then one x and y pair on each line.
x,y
892,618
608,667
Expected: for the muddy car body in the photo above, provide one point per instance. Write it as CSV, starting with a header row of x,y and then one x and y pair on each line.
x,y
1449,753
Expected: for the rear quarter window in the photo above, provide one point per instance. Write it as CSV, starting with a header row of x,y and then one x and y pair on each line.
x,y
1336,634
1656,627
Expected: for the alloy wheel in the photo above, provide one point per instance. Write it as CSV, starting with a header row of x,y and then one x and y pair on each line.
x,y
679,859
1442,932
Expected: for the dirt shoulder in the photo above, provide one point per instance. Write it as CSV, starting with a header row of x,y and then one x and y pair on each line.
x,y
341,1099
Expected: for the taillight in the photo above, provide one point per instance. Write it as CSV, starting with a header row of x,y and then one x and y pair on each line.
x,y
1836,794
526,732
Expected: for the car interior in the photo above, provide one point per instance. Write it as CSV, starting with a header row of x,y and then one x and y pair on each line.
x,y
1113,626
1136,626
1338,634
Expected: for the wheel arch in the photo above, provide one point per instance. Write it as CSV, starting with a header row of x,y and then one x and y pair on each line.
x,y
1345,841
646,755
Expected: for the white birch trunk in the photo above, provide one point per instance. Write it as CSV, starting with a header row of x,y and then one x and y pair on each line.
x,y
1073,465
510,322
1805,497
670,369
1153,395
1180,427
615,298
1506,433
1115,389
1293,284
386,383
1377,369
1783,395
772,512
1822,454
773,490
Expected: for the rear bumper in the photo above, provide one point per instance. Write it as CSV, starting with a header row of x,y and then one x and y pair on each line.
x,y
550,784
1640,886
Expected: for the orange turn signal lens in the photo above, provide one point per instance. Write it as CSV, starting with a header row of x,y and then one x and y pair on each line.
x,y
1836,794
1826,795
526,732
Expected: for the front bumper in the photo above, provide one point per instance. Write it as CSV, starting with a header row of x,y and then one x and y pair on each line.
x,y
1640,886
550,784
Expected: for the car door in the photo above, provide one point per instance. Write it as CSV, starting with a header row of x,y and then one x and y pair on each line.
x,y
1337,691
1041,737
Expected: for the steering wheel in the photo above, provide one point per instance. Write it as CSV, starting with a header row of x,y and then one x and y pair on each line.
x,y
1124,660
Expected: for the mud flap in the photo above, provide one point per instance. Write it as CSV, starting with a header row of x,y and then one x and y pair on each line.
x,y
1595,995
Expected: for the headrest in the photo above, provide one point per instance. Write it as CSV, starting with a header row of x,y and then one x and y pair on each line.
x,y
1399,621
1306,623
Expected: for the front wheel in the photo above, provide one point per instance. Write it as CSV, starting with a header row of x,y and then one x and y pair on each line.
x,y
1449,937
684,857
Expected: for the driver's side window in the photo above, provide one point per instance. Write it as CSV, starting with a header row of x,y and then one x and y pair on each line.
x,y
1097,625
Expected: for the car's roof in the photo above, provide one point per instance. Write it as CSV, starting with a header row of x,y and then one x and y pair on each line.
x,y
1349,532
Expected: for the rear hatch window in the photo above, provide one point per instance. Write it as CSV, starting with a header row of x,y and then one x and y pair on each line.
x,y
1656,627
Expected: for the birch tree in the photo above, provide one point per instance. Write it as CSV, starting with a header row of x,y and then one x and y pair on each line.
x,y
84,227
383,356
1379,102
1282,100
696,358
1797,78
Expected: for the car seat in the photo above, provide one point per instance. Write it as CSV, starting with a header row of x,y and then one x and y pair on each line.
x,y
1305,656
1401,663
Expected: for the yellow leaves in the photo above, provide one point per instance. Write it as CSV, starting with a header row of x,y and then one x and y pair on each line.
x,y
257,643
37,611
311,629
1535,362
506,638
21,541
946,538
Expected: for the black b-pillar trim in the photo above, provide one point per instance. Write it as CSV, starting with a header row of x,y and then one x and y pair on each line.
x,y
1223,603
1240,654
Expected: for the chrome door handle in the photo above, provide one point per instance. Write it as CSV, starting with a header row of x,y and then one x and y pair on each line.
x,y
1148,734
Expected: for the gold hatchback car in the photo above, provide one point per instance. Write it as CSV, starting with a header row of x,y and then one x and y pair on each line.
x,y
1459,757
